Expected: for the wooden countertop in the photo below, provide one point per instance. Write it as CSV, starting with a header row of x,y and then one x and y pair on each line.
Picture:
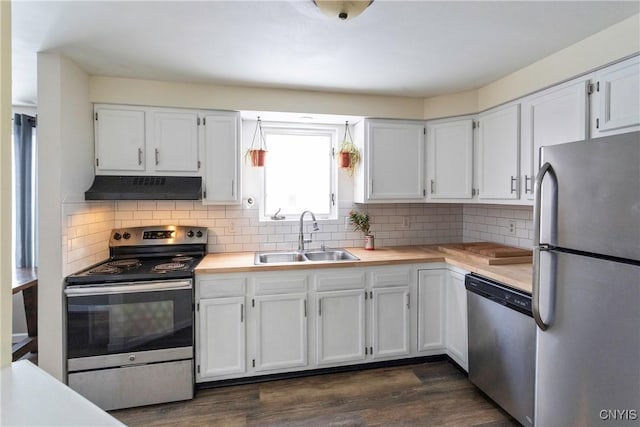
x,y
515,275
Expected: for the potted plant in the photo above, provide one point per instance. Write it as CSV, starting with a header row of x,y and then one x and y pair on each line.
x,y
360,222
348,155
257,153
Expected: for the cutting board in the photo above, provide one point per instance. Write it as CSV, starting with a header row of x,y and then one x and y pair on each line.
x,y
489,253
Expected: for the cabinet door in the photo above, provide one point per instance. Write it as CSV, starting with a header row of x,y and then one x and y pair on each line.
x,y
280,331
175,142
456,319
390,321
221,336
617,98
431,309
120,137
450,159
222,153
395,161
498,151
555,116
340,326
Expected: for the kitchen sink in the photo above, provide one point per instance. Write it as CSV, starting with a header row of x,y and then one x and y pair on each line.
x,y
279,257
331,255
294,257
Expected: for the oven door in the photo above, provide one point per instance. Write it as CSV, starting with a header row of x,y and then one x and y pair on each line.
x,y
129,318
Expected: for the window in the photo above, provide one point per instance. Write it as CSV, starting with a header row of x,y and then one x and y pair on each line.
x,y
299,171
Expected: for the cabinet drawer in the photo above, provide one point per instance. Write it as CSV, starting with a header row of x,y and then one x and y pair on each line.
x,y
280,284
391,277
340,281
221,287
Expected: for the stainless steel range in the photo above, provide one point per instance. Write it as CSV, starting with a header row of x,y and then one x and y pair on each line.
x,y
130,319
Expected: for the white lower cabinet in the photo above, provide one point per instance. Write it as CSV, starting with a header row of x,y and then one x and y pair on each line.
x,y
274,322
221,337
456,319
442,313
280,331
431,309
340,326
390,322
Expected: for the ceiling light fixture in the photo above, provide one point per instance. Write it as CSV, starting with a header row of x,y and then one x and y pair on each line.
x,y
342,9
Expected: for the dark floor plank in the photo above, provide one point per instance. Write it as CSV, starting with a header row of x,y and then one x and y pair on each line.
x,y
429,394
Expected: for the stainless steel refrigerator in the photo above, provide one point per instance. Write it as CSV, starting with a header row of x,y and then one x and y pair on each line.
x,y
586,290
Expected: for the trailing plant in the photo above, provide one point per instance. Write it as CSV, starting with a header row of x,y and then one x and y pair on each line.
x,y
349,155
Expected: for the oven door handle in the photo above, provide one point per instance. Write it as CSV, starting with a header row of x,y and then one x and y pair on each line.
x,y
127,288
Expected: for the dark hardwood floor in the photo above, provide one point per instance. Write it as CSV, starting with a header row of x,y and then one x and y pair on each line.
x,y
428,394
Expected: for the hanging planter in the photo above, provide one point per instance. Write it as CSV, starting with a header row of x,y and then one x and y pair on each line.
x,y
257,153
348,155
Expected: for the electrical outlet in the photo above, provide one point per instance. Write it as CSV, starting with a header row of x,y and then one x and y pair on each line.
x,y
512,227
231,228
405,222
347,223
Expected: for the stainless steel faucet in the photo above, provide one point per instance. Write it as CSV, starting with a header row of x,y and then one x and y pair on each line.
x,y
301,240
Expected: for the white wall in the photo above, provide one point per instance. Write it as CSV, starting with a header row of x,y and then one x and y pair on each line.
x,y
611,44
192,95
65,170
5,183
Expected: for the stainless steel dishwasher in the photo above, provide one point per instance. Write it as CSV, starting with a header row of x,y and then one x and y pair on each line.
x,y
502,345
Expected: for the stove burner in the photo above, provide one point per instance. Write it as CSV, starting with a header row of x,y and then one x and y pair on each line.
x,y
181,258
125,263
169,266
105,269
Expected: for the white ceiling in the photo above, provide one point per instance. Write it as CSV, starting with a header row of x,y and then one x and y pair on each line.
x,y
405,48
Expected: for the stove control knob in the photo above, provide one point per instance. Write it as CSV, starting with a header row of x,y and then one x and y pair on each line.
x,y
126,235
199,234
117,236
190,233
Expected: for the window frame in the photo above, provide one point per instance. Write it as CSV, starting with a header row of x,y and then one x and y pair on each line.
x,y
292,128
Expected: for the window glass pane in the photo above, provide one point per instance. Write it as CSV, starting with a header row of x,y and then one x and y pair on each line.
x,y
297,172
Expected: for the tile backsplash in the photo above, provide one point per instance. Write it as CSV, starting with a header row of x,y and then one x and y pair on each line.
x,y
85,234
493,223
87,226
235,228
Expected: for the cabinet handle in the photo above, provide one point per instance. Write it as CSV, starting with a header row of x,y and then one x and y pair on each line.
x,y
408,301
139,156
241,313
527,190
305,308
319,307
514,180
157,157
431,188
233,188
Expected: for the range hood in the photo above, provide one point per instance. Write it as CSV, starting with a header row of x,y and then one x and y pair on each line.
x,y
107,187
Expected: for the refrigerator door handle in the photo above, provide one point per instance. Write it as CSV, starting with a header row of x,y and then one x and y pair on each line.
x,y
545,169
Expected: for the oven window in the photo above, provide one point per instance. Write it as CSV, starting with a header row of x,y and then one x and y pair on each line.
x,y
109,324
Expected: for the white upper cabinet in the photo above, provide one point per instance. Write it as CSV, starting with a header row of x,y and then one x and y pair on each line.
x,y
132,140
498,151
554,116
175,141
120,140
450,159
617,99
222,158
393,162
